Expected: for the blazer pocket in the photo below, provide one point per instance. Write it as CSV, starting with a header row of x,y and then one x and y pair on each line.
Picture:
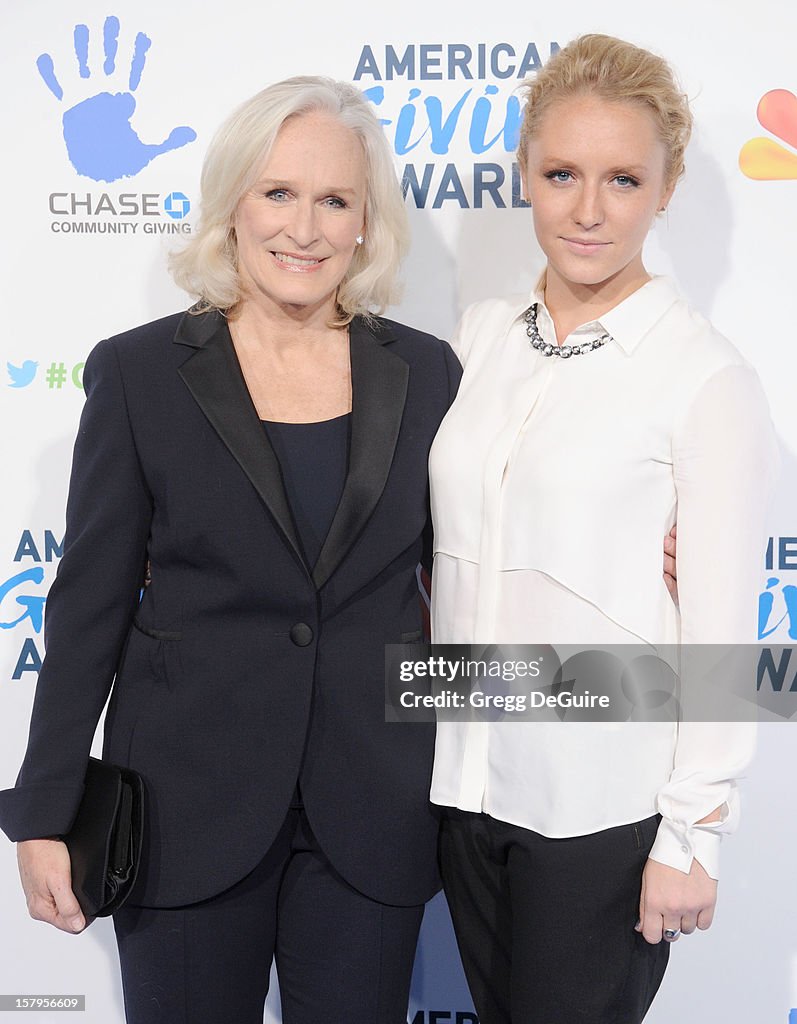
x,y
164,654
157,634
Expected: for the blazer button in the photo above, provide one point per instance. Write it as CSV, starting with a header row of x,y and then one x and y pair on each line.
x,y
301,634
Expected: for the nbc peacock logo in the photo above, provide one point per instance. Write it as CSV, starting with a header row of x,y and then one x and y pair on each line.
x,y
764,159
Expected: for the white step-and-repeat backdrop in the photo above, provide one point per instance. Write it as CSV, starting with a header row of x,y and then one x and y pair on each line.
x,y
93,198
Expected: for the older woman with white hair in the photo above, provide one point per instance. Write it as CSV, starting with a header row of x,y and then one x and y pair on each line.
x,y
265,453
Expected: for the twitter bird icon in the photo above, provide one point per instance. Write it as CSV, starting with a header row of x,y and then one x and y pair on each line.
x,y
21,376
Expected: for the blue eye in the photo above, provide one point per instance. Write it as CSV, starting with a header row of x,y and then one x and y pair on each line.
x,y
560,176
335,202
626,181
277,194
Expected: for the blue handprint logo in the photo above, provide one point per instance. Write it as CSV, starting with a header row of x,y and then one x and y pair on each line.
x,y
100,141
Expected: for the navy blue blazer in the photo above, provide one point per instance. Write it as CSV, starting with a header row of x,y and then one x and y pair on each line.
x,y
241,671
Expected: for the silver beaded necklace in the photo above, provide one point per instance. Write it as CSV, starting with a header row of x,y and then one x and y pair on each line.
x,y
563,351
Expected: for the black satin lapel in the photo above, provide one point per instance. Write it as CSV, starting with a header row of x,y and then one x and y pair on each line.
x,y
379,389
214,378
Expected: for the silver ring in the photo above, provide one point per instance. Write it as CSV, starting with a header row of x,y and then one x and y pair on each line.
x,y
671,934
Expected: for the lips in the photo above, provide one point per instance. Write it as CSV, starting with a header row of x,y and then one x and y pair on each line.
x,y
585,245
290,260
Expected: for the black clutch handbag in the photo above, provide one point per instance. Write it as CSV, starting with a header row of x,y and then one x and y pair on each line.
x,y
105,840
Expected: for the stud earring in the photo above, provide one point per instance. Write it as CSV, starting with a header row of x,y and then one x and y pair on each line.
x,y
359,239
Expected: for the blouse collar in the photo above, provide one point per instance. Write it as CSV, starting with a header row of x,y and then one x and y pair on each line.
x,y
628,322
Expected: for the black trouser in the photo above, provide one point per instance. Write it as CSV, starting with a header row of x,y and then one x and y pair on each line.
x,y
340,956
545,927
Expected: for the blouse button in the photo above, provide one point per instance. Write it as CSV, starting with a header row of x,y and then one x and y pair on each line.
x,y
684,849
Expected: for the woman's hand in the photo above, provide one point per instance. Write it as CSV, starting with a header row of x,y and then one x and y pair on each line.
x,y
673,900
46,875
670,571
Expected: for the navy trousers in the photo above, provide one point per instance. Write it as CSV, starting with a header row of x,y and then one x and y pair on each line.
x,y
340,956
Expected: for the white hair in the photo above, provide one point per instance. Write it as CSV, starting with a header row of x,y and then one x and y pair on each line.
x,y
207,267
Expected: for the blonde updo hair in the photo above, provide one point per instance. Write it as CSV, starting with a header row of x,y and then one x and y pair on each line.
x,y
614,70
207,267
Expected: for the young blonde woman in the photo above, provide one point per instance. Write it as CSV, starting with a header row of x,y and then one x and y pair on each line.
x,y
588,420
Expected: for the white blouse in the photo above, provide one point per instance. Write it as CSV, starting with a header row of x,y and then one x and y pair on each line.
x,y
554,483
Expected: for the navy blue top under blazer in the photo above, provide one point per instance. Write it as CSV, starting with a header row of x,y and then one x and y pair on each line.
x,y
242,671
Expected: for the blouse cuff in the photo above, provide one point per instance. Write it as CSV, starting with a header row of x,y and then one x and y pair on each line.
x,y
678,847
